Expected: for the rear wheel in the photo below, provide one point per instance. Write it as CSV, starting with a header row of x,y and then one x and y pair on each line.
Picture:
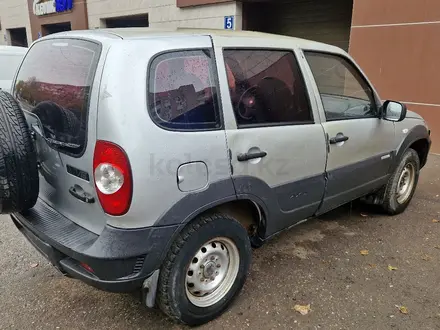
x,y
18,160
205,269
402,184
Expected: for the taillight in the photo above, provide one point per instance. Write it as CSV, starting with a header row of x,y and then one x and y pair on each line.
x,y
113,179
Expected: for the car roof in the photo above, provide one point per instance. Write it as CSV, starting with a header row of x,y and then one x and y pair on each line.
x,y
13,50
145,33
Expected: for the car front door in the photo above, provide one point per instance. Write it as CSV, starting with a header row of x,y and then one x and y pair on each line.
x,y
360,144
277,149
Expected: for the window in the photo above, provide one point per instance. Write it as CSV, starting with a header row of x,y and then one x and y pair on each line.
x,y
266,88
54,83
344,92
183,92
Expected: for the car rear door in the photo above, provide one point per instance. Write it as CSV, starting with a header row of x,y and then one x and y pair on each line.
x,y
277,145
360,144
57,87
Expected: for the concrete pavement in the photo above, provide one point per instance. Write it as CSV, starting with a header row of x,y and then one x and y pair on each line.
x,y
317,263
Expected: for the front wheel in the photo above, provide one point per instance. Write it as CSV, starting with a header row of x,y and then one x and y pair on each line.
x,y
402,184
205,269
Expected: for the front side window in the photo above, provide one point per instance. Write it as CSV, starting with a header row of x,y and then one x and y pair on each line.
x,y
54,83
266,87
344,92
183,92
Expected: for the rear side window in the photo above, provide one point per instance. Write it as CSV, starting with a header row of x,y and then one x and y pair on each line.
x,y
54,83
182,91
266,87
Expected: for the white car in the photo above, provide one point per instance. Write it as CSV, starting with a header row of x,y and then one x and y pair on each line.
x,y
10,59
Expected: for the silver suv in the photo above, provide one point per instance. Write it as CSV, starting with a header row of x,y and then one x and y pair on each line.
x,y
153,161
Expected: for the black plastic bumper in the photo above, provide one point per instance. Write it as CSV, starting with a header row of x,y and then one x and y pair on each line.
x,y
117,260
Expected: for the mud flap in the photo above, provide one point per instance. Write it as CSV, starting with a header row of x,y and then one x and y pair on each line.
x,y
149,289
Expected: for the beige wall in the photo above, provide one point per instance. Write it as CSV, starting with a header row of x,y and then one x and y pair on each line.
x,y
14,14
164,13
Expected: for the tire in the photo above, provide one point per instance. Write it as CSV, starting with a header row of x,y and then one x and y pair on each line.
x,y
395,201
181,267
71,124
19,183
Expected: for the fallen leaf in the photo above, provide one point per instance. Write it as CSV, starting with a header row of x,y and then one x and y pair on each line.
x,y
426,257
392,268
302,309
403,309
435,221
437,247
34,265
364,252
372,265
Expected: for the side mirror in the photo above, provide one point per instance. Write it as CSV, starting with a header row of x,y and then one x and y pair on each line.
x,y
394,111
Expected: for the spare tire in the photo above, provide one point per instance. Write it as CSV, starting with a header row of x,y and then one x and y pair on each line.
x,y
19,183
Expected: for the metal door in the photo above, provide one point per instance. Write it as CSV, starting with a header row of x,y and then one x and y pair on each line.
x,y
279,162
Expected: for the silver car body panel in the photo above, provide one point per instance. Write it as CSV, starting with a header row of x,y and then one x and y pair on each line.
x,y
285,165
155,154
289,185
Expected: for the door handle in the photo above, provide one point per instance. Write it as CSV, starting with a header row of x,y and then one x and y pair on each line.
x,y
338,138
251,155
79,193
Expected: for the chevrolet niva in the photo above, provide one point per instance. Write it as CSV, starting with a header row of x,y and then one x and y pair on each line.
x,y
153,160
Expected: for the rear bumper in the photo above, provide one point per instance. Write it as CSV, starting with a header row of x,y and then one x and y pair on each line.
x,y
118,260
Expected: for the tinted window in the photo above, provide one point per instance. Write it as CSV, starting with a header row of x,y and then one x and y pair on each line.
x,y
266,87
54,83
183,92
344,92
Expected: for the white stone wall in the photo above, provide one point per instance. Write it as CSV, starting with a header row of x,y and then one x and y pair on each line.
x,y
165,13
14,14
161,13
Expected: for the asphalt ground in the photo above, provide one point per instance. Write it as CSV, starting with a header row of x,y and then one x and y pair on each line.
x,y
318,263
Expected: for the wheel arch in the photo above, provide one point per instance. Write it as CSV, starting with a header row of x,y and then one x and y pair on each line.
x,y
419,140
248,212
421,146
254,218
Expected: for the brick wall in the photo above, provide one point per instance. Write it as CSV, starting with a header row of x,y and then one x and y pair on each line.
x,y
396,42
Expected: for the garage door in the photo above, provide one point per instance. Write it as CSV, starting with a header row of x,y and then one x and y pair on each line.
x,y
321,20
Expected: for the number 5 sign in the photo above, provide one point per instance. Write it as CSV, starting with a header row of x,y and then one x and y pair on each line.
x,y
229,22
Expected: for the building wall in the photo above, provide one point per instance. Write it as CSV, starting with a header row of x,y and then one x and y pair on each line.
x,y
77,18
164,13
14,14
397,43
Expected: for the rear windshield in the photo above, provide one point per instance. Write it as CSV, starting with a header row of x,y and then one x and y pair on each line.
x,y
8,65
54,83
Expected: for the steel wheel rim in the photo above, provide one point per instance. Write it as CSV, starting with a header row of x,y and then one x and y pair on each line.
x,y
212,272
405,184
